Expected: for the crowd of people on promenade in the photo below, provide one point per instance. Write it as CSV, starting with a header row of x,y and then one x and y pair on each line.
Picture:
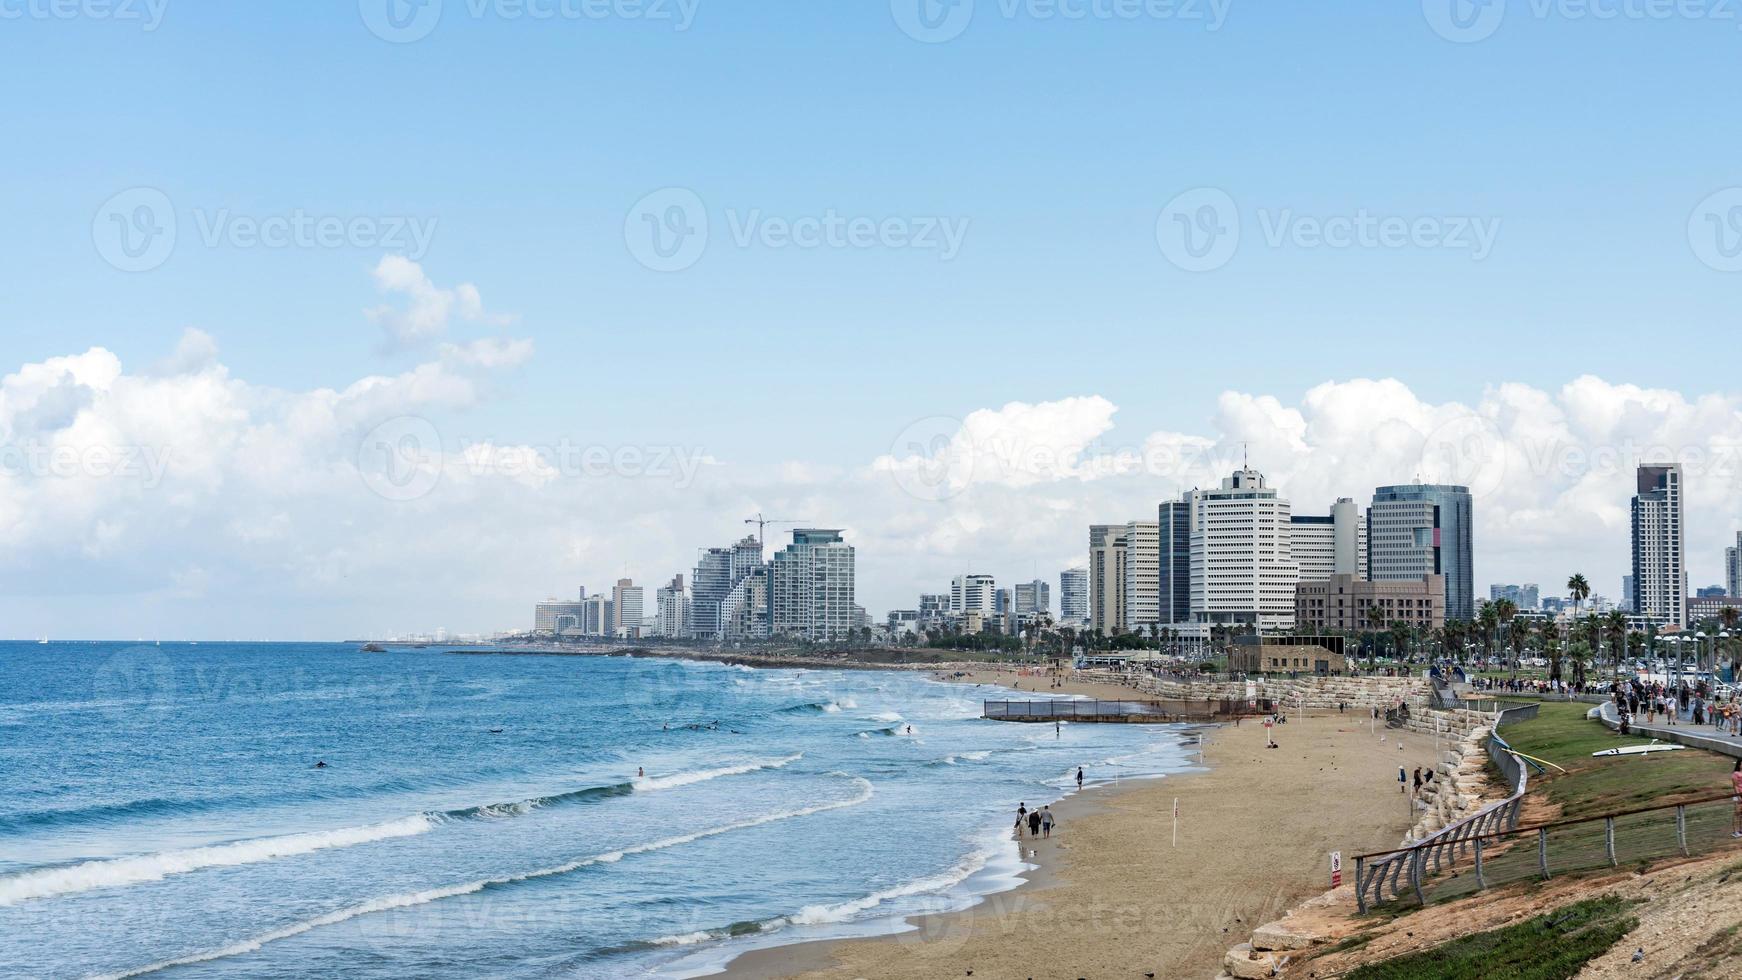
x,y
1527,685
1693,703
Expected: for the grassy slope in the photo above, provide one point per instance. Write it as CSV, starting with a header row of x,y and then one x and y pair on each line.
x,y
1552,946
1561,734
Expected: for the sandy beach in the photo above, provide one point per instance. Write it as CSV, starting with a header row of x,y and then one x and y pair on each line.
x,y
1113,897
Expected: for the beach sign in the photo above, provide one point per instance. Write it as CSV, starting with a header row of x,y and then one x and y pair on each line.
x,y
1336,869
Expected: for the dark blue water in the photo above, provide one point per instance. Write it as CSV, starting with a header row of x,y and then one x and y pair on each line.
x,y
482,815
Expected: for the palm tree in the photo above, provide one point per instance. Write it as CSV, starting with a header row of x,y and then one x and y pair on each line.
x,y
1729,616
1375,621
1551,635
1516,638
1615,625
1580,590
1487,618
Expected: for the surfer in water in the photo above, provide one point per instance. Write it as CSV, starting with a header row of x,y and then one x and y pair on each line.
x,y
322,764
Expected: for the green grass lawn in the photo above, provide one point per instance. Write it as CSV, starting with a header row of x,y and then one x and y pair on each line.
x,y
1552,946
1561,734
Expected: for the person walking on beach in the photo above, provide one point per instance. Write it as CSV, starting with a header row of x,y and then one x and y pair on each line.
x,y
1046,820
1418,780
1079,777
1736,799
1021,818
1034,823
1402,780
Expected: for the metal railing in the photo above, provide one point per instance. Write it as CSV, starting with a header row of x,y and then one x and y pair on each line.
x,y
1384,875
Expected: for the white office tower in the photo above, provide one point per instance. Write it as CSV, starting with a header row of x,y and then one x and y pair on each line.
x,y
1733,569
744,611
1074,596
1660,571
1106,578
1142,577
718,572
626,609
974,593
1242,562
810,587
1335,544
673,609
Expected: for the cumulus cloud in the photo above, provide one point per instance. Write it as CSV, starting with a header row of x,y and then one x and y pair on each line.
x,y
207,503
426,309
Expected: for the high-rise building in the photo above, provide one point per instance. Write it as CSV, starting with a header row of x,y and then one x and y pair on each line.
x,y
1242,563
1173,563
810,587
1106,578
934,608
672,603
626,609
1629,597
1032,598
744,611
1333,544
1074,596
1346,603
1002,603
1142,576
1525,597
1660,573
1424,529
974,593
718,572
598,615
560,616
1733,569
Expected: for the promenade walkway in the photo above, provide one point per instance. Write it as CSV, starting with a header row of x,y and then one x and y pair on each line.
x,y
1683,732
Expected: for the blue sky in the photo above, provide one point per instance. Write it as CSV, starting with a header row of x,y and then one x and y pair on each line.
x,y
1585,143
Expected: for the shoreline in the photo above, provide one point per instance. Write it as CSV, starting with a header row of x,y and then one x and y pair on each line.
x,y
1110,895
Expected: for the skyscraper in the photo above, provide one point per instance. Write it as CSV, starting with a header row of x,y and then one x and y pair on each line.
x,y
626,608
672,603
1142,576
1660,573
1032,598
974,593
1173,563
1106,578
1333,544
1074,596
718,572
1242,565
1733,569
810,587
1424,529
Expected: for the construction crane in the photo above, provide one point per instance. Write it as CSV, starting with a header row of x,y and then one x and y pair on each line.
x,y
762,524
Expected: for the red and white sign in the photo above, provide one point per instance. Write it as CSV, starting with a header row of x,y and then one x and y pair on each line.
x,y
1336,869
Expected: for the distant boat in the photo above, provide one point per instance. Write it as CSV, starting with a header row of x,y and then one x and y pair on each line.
x,y
42,642
374,648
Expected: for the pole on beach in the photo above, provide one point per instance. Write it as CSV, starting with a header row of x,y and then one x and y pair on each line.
x,y
1176,821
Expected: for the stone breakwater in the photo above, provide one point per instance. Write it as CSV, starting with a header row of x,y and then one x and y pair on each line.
x,y
1316,693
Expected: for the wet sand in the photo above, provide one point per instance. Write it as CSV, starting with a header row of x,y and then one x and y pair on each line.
x,y
1113,897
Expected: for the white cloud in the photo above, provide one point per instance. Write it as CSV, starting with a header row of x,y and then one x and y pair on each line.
x,y
230,508
428,308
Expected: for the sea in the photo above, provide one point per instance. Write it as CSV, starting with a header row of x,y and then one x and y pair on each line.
x,y
165,810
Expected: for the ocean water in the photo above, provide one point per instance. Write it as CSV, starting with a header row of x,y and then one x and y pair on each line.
x,y
160,809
